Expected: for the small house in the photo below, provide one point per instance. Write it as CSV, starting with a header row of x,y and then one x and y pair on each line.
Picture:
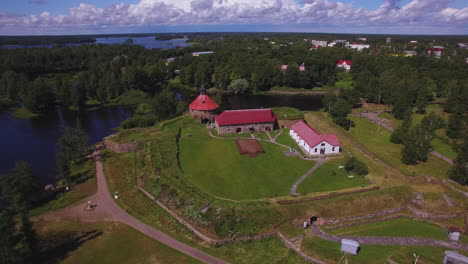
x,y
203,107
349,246
302,67
245,121
312,142
198,53
453,257
454,233
345,64
284,67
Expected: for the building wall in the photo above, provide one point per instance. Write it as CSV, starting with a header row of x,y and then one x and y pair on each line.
x,y
261,127
287,123
202,116
314,150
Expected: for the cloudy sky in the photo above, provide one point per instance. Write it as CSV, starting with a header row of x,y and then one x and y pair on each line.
x,y
19,17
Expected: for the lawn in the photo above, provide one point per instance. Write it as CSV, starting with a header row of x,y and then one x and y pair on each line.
x,y
216,166
105,242
345,85
288,113
329,177
371,254
365,132
399,227
443,148
287,140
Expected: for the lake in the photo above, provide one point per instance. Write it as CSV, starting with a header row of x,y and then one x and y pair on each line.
x,y
146,42
301,102
34,140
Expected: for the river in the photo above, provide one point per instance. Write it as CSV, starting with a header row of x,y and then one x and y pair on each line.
x,y
34,140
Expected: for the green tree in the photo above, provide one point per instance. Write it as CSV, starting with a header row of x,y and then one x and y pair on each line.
x,y
71,150
41,98
239,86
401,132
339,112
456,125
459,171
165,104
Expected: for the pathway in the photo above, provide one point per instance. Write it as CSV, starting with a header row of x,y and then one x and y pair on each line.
x,y
373,116
293,190
414,241
108,210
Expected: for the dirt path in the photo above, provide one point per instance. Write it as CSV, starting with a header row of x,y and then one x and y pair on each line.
x,y
415,241
373,116
106,209
293,191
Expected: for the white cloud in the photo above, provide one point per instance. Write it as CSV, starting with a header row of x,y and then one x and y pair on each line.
x,y
192,12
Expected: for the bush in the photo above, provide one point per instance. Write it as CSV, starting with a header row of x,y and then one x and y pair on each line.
x,y
139,121
356,166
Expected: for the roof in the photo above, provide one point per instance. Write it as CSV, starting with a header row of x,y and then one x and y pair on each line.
x,y
203,103
350,242
340,62
311,136
452,229
456,255
246,116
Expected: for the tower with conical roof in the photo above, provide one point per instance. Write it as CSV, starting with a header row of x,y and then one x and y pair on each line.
x,y
203,107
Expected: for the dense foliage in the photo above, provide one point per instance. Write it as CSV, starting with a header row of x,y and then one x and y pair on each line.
x,y
72,149
352,164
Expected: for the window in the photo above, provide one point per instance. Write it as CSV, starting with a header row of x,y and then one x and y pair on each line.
x,y
323,144
315,150
333,149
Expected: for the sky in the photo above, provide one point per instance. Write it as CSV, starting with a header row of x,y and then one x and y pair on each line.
x,y
57,17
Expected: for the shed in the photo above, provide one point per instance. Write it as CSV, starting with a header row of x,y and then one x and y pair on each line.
x,y
453,257
349,246
454,233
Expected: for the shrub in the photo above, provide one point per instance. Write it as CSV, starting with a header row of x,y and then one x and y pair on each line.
x,y
139,121
356,166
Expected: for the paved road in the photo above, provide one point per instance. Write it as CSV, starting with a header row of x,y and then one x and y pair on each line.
x,y
373,116
415,241
107,210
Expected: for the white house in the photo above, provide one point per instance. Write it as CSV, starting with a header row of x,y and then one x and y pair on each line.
x,y
357,46
345,64
312,142
454,233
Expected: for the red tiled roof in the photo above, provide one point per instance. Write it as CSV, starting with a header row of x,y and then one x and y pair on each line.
x,y
311,136
247,116
340,62
203,103
454,229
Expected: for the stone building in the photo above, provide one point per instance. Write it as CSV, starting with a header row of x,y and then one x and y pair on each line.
x,y
242,121
203,108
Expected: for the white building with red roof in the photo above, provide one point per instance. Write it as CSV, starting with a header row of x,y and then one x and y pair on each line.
x,y
203,108
313,142
345,64
247,120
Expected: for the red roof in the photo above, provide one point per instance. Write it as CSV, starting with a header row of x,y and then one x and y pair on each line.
x,y
311,136
247,116
454,229
203,103
340,62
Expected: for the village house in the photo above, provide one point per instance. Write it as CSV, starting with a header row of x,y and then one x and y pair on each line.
x,y
437,50
319,43
203,108
312,142
357,46
410,53
243,121
454,233
345,64
301,68
198,53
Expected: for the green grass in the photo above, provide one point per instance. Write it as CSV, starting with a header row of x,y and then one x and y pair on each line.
x,y
288,89
434,106
371,254
77,192
443,148
399,227
288,113
287,140
216,166
345,85
365,132
102,242
23,113
329,177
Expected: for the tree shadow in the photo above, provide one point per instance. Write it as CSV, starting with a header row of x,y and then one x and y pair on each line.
x,y
55,248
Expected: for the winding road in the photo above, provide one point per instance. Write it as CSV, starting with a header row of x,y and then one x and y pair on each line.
x,y
106,209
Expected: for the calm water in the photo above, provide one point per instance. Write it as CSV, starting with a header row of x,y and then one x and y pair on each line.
x,y
35,140
147,42
301,102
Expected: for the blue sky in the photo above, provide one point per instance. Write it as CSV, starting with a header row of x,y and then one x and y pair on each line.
x,y
350,16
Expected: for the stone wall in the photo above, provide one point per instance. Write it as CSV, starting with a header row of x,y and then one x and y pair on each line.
x,y
360,217
286,123
291,245
260,127
202,116
328,196
120,147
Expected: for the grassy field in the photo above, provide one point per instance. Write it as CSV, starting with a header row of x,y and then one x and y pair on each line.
x,y
365,132
370,254
443,148
288,113
216,166
345,85
399,227
105,242
23,113
287,140
329,177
